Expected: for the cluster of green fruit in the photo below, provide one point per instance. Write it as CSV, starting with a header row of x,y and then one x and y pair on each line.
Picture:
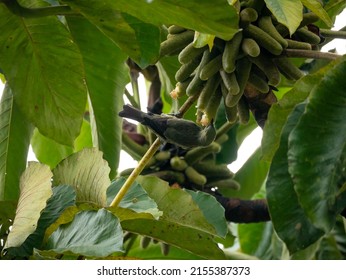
x,y
255,56
194,168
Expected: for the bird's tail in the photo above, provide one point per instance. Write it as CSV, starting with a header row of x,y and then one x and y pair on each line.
x,y
132,113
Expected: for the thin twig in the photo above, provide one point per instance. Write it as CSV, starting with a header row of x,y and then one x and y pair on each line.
x,y
224,129
310,54
186,106
333,33
135,173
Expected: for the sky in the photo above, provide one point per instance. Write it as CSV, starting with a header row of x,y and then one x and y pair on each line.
x,y
253,141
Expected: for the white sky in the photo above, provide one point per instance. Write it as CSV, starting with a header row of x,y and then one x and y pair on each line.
x,y
252,142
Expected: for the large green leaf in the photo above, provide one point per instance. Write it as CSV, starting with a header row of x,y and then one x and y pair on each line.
x,y
106,77
62,197
216,17
91,233
255,239
316,145
279,112
316,7
181,236
182,223
212,210
136,197
334,8
289,13
288,217
154,252
49,152
177,205
140,40
88,173
35,189
45,73
15,133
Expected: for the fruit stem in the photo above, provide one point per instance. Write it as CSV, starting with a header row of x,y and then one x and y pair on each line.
x,y
224,129
310,54
333,33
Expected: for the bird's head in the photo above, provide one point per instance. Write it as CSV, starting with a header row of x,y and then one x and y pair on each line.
x,y
208,134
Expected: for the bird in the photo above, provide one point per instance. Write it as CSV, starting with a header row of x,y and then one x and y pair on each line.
x,y
180,132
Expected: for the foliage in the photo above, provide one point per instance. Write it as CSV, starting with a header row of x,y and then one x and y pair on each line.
x,y
66,64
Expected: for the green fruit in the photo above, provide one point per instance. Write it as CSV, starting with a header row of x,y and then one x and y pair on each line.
x,y
288,69
213,105
189,53
178,163
195,177
226,184
247,16
196,85
187,69
162,155
208,91
175,29
257,82
211,68
307,36
176,42
266,64
250,47
266,24
196,154
293,44
213,171
263,39
230,82
230,52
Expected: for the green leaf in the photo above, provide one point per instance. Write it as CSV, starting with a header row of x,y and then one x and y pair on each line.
x,y
153,252
45,73
15,133
316,7
7,213
140,40
136,198
279,112
329,249
202,39
334,8
316,145
62,197
49,152
88,173
106,77
172,233
212,211
177,205
216,17
287,215
35,189
289,13
255,239
91,233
